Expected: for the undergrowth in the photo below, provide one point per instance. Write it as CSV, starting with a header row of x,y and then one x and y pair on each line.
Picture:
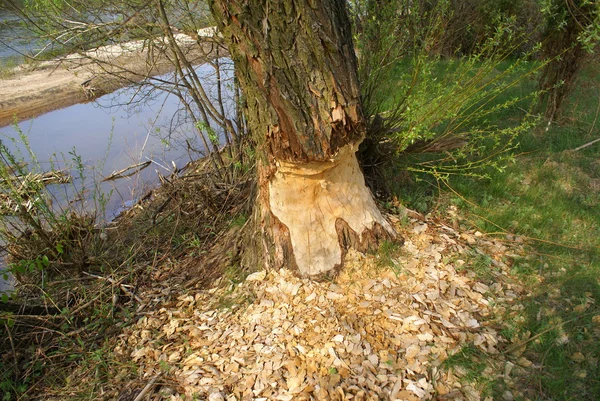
x,y
79,278
548,198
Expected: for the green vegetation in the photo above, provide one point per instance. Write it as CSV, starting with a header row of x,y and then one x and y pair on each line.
x,y
548,197
8,65
77,275
454,122
472,361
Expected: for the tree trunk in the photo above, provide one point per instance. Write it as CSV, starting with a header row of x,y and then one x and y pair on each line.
x,y
296,66
564,50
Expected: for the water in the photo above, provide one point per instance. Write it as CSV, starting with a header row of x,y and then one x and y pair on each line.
x,y
110,135
14,40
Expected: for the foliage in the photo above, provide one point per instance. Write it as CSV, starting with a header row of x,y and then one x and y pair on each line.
x,y
91,291
45,240
420,102
165,33
548,199
82,273
584,13
40,230
572,30
80,25
449,117
469,24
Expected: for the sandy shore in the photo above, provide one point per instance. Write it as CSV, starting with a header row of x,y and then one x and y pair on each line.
x,y
78,78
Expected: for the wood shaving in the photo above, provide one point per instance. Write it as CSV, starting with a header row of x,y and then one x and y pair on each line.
x,y
373,334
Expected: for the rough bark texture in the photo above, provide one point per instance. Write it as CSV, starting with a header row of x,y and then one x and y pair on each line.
x,y
296,66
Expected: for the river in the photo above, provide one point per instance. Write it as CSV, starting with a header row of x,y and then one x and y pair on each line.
x,y
112,133
108,135
14,41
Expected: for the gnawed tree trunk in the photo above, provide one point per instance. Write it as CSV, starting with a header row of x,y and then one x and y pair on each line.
x,y
296,66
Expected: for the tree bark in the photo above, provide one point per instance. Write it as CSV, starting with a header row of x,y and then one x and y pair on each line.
x,y
295,64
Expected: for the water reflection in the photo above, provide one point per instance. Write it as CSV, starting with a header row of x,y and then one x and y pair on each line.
x,y
113,133
15,41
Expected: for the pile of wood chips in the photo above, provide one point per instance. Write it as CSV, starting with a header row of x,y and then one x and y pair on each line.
x,y
376,333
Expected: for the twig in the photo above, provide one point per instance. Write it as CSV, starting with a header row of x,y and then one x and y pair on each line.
x,y
590,131
541,333
504,231
19,309
121,173
49,177
85,305
14,352
147,387
586,145
115,282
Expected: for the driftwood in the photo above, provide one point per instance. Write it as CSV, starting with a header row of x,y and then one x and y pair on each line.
x,y
127,171
47,178
23,189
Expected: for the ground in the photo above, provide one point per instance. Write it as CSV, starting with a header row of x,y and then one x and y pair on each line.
x,y
453,314
388,327
37,88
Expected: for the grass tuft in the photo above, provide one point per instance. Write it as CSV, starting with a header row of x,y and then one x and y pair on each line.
x,y
549,199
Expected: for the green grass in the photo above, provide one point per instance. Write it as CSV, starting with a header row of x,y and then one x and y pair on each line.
x,y
470,363
550,198
8,65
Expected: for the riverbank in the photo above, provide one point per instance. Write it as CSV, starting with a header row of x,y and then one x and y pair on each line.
x,y
35,89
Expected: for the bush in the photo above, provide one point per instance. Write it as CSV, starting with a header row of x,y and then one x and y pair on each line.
x,y
572,30
451,109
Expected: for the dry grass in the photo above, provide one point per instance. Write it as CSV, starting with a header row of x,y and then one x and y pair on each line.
x,y
181,234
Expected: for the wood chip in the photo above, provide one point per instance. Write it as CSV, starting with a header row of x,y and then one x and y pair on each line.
x,y
372,334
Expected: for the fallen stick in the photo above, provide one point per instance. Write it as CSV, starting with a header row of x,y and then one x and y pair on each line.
x,y
37,310
586,145
124,172
147,387
116,283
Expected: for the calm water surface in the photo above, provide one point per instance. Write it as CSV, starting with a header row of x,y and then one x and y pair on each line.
x,y
110,135
14,40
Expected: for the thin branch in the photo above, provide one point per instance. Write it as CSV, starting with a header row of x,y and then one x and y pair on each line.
x,y
147,388
116,283
586,145
590,131
14,351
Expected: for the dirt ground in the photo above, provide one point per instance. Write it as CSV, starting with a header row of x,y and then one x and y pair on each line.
x,y
33,90
383,330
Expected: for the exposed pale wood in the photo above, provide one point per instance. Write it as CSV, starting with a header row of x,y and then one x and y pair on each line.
x,y
586,145
310,198
374,333
296,66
